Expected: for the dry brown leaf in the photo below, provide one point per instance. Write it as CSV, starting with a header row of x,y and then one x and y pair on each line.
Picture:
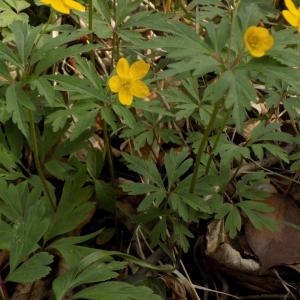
x,y
283,246
261,107
220,250
177,288
249,126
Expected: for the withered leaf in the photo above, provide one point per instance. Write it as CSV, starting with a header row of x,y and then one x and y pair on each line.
x,y
281,247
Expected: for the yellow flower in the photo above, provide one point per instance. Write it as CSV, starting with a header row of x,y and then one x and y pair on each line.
x,y
258,40
292,15
64,6
127,83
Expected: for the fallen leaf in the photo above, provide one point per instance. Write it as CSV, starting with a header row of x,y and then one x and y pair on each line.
x,y
249,126
220,250
281,247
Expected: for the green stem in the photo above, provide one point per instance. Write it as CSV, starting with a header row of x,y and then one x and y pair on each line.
x,y
233,20
203,144
217,141
37,160
91,36
108,151
115,41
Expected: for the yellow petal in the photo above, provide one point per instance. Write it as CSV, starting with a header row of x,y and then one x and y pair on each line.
x,y
114,84
123,68
46,1
60,6
139,89
291,19
250,30
268,42
291,7
257,53
74,5
125,96
139,69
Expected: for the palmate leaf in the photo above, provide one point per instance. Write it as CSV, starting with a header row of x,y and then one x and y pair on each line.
x,y
257,218
181,235
96,267
32,269
7,54
27,211
45,88
229,152
145,168
269,132
248,187
48,42
272,69
73,208
75,84
116,290
4,72
57,54
125,8
16,103
233,221
5,235
240,93
25,38
176,164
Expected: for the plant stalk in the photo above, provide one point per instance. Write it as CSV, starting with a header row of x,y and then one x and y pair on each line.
x,y
91,36
108,152
216,142
37,160
203,144
115,41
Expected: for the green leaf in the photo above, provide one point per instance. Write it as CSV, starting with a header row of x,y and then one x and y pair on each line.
x,y
106,195
7,54
146,168
233,222
85,122
94,162
277,151
45,89
181,235
240,94
125,115
59,53
176,165
90,269
73,208
255,205
32,269
75,84
4,71
15,100
25,38
29,213
5,235
116,290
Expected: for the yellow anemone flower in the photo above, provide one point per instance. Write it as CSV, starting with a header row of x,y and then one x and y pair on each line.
x,y
292,15
64,6
258,40
127,83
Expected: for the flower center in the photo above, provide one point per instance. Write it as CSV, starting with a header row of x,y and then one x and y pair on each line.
x,y
126,83
254,41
